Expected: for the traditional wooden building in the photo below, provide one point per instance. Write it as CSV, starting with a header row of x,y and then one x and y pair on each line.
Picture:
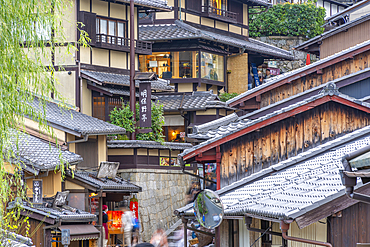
x,y
205,45
350,64
343,30
245,145
97,76
302,195
182,111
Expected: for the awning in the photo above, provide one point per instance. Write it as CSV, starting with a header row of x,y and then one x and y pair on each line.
x,y
173,120
82,231
361,162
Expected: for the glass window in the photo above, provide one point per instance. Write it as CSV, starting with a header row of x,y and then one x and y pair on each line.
x,y
108,31
167,65
212,66
218,4
99,108
77,200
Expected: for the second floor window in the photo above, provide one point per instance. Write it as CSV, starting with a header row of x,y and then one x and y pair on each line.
x,y
110,31
218,4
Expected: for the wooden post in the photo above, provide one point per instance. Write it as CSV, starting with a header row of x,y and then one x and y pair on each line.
x,y
204,175
101,220
218,237
185,222
218,167
132,63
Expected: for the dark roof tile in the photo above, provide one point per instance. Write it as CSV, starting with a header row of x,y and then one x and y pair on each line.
x,y
123,80
73,121
180,30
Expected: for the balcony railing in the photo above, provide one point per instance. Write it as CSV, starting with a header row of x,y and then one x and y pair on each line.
x,y
220,14
123,44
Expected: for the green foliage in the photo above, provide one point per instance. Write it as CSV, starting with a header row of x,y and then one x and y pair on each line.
x,y
226,96
31,32
157,123
288,20
123,118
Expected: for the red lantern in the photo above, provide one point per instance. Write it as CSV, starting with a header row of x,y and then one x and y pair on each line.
x,y
134,207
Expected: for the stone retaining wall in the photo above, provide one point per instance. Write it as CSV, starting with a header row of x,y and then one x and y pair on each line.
x,y
163,192
287,43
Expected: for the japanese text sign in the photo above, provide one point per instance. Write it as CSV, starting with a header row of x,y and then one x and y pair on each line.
x,y
134,206
145,95
37,191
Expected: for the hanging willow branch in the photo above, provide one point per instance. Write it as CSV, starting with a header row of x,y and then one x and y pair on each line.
x,y
30,34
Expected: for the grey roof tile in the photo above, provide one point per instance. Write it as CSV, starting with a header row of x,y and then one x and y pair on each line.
x,y
219,132
155,4
73,121
180,30
195,101
123,80
117,91
104,184
147,144
296,186
39,154
11,239
63,213
279,78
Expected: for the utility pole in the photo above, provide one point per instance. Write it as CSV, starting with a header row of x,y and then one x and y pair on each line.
x,y
132,63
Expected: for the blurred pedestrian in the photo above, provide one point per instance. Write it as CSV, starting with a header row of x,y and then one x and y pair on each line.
x,y
159,238
105,225
127,226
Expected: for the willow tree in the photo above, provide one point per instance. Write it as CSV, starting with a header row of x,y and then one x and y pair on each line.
x,y
31,32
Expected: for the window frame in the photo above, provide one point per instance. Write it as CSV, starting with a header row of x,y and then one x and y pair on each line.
x,y
108,19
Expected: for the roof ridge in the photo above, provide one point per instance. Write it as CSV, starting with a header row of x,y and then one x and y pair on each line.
x,y
299,158
278,78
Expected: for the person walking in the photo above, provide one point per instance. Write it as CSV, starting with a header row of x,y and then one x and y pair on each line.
x,y
105,225
127,226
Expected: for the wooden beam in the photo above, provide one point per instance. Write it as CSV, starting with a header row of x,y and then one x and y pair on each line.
x,y
259,125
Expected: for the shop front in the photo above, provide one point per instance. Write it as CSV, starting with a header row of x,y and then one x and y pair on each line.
x,y
93,190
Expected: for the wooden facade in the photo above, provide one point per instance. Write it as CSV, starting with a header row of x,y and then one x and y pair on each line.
x,y
350,226
279,141
311,80
312,77
345,39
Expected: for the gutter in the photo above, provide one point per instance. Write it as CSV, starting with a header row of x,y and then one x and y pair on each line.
x,y
248,222
350,182
85,139
284,229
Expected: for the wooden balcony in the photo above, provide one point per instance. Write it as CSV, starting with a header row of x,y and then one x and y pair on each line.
x,y
219,14
122,44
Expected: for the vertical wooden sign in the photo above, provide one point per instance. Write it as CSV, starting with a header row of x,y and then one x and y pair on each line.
x,y
37,191
145,95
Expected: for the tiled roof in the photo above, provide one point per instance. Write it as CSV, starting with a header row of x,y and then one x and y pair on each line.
x,y
64,213
209,130
123,80
341,28
148,144
11,239
74,122
155,4
104,184
117,91
195,101
276,79
180,30
217,133
348,10
295,186
38,154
